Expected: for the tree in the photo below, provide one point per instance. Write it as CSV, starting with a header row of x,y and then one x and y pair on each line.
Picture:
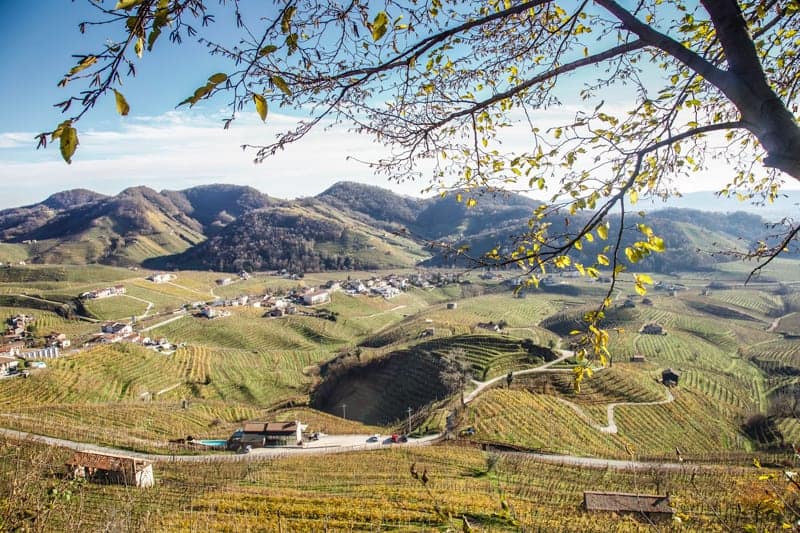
x,y
455,372
445,81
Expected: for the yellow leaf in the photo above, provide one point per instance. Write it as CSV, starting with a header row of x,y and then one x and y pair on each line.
x,y
379,25
602,259
68,142
643,278
122,105
602,231
127,4
634,196
138,47
280,83
85,63
639,288
218,78
472,202
261,106
287,19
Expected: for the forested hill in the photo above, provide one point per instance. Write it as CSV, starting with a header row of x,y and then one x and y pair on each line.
x,y
350,225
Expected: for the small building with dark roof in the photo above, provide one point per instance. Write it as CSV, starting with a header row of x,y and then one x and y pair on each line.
x,y
638,358
263,434
670,377
650,508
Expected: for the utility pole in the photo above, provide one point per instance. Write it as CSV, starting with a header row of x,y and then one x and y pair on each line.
x,y
344,411
408,422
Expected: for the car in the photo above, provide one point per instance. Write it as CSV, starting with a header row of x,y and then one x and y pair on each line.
x,y
468,432
395,437
244,449
375,438
403,438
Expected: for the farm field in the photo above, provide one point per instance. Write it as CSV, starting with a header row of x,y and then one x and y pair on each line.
x,y
246,366
372,490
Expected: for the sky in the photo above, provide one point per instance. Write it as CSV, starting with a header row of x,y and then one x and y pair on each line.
x,y
158,145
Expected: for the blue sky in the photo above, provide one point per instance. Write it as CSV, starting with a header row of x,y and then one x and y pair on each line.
x,y
157,145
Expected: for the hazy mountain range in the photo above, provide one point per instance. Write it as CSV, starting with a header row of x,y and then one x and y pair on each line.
x,y
348,226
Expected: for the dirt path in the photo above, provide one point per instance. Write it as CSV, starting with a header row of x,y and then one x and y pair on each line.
x,y
150,305
397,308
482,385
164,322
611,426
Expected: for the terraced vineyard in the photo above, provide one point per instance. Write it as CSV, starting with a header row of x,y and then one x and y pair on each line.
x,y
760,302
47,321
115,308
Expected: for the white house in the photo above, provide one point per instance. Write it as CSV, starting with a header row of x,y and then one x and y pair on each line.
x,y
51,352
8,364
316,297
161,277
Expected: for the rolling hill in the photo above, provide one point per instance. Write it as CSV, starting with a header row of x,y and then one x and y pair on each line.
x,y
350,225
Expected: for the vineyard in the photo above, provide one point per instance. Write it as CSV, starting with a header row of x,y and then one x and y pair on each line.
x,y
368,491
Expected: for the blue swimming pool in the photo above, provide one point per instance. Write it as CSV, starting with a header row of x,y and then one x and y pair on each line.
x,y
213,443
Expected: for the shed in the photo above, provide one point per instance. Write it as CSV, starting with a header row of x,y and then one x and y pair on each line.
x,y
452,305
652,508
670,377
638,358
109,468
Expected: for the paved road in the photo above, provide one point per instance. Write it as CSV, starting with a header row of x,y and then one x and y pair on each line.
x,y
325,445
167,321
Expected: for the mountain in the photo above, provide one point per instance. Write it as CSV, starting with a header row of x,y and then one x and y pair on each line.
x,y
350,225
786,205
306,236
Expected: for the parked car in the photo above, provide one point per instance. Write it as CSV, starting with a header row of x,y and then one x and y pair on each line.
x,y
467,432
244,449
403,438
395,437
375,438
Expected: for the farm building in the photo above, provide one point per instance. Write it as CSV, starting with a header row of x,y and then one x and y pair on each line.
x,y
652,329
262,434
638,358
223,281
58,339
116,290
316,297
670,377
108,468
452,305
8,364
12,349
161,277
650,508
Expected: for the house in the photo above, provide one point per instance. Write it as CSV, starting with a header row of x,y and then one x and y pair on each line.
x,y
51,352
208,311
223,281
316,297
161,277
12,349
645,507
59,340
670,377
652,328
115,331
452,305
244,275
110,468
262,434
106,292
638,358
8,364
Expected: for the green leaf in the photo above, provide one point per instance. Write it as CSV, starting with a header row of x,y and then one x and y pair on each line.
x,y
280,83
127,4
267,50
261,106
68,142
122,105
218,78
379,25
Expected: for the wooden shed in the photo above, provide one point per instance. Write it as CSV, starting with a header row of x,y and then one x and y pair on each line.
x,y
109,468
650,508
261,434
670,377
